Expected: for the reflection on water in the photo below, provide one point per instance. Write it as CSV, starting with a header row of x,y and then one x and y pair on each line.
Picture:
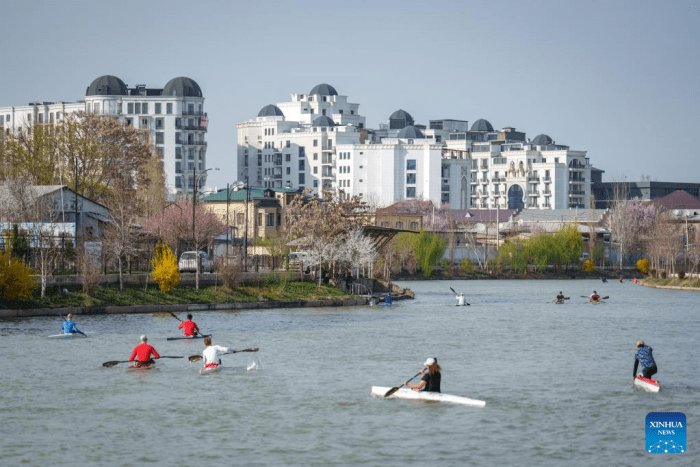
x,y
556,380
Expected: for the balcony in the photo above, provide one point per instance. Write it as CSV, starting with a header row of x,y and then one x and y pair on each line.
x,y
533,179
534,193
190,127
547,179
576,205
498,179
191,143
576,192
577,180
445,188
198,113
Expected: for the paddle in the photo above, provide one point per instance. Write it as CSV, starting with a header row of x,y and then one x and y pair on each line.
x,y
394,389
453,291
76,329
196,358
111,363
175,316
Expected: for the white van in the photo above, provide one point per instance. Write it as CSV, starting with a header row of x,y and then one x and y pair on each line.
x,y
187,262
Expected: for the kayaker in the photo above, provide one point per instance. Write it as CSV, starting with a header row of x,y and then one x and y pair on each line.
x,y
604,279
69,326
431,379
190,326
594,297
560,297
143,353
645,357
210,355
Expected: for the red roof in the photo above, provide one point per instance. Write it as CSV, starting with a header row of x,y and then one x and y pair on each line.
x,y
679,200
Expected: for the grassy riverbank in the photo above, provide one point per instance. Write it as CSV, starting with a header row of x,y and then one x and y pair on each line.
x,y
247,292
674,282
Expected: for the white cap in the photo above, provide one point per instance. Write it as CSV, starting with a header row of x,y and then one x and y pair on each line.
x,y
430,361
143,337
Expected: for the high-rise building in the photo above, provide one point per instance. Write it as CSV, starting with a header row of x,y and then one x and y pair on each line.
x,y
173,116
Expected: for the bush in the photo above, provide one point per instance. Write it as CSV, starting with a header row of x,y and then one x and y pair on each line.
x,y
165,269
588,266
15,278
663,274
230,274
466,266
681,274
643,266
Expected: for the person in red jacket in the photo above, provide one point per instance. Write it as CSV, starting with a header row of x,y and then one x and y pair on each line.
x,y
143,353
190,326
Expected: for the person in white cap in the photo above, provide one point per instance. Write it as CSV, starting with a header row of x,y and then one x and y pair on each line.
x,y
210,355
431,379
143,353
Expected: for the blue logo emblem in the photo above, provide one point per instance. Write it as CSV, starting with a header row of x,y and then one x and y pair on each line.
x,y
665,433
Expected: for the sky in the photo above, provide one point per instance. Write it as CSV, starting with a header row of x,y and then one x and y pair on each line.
x,y
618,79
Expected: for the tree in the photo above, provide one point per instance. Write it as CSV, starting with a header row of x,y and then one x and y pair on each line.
x,y
165,269
617,220
15,277
428,248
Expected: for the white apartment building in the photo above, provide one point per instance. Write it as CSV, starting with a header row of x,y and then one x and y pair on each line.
x,y
296,147
174,117
319,140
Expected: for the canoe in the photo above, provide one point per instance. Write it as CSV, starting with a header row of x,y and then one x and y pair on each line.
x,y
379,391
207,370
187,338
67,335
649,385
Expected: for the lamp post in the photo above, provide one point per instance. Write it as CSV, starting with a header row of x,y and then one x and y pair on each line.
x,y
195,178
246,186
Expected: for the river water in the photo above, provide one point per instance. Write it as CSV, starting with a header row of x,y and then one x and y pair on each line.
x,y
556,380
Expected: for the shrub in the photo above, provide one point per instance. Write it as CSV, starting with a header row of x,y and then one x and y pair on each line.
x,y
663,274
466,266
643,266
681,274
15,278
588,266
165,269
230,274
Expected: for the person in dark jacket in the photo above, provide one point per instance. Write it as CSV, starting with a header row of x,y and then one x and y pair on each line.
x,y
431,379
646,359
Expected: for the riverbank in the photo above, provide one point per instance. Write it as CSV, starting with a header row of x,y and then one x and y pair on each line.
x,y
531,274
673,283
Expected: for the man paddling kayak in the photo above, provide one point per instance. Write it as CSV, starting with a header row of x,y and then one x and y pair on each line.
x,y
210,354
69,326
560,297
431,380
645,357
190,326
594,297
143,353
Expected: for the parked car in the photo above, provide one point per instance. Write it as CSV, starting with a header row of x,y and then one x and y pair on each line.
x,y
187,262
584,257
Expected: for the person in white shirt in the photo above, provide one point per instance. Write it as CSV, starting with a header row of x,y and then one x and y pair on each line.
x,y
210,354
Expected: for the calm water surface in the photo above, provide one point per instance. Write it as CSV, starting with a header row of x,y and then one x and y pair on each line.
x,y
556,380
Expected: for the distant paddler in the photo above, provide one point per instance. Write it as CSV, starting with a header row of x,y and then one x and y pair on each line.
x,y
69,326
594,297
190,326
560,297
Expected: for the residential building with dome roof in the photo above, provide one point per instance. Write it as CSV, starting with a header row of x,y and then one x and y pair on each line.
x,y
173,116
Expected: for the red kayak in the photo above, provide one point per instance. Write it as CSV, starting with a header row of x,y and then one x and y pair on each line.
x,y
649,385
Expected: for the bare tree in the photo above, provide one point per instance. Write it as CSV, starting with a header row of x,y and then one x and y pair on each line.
x,y
618,219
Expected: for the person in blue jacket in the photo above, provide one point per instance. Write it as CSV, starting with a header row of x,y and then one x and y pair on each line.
x,y
645,357
69,326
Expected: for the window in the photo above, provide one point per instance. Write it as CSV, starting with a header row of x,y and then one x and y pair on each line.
x,y
169,108
144,123
287,144
411,179
158,108
178,182
315,143
89,107
315,170
315,156
289,170
130,108
410,164
40,118
97,107
137,108
301,180
411,192
414,225
301,166
178,167
160,137
144,108
240,218
260,218
270,221
399,225
288,157
315,183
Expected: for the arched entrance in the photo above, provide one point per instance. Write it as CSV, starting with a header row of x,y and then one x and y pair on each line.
x,y
515,197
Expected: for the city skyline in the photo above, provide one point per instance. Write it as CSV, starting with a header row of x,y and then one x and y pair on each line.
x,y
619,80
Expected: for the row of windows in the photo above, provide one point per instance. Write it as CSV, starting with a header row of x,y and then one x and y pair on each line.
x,y
399,225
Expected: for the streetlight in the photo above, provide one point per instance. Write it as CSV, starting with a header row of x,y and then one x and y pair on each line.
x,y
246,186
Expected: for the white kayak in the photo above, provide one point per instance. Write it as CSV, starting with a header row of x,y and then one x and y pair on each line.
x,y
649,385
379,391
68,334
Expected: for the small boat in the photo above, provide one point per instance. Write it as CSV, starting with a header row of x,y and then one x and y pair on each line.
x,y
210,368
559,302
379,391
649,385
596,302
66,335
147,366
186,338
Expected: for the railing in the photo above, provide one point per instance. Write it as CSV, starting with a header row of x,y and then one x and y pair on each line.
x,y
191,143
577,192
498,179
194,112
547,179
190,127
534,193
577,180
533,178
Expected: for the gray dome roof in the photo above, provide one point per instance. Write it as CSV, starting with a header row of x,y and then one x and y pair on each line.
x,y
481,125
182,87
541,140
270,111
323,90
107,85
324,120
411,132
401,115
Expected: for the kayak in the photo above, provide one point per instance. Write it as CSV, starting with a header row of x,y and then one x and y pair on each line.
x,y
187,338
148,366
596,302
379,391
210,368
649,385
559,302
67,334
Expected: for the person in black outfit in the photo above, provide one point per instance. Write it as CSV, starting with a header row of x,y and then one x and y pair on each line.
x,y
431,379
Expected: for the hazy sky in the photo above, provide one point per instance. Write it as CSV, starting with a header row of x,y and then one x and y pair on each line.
x,y
619,79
